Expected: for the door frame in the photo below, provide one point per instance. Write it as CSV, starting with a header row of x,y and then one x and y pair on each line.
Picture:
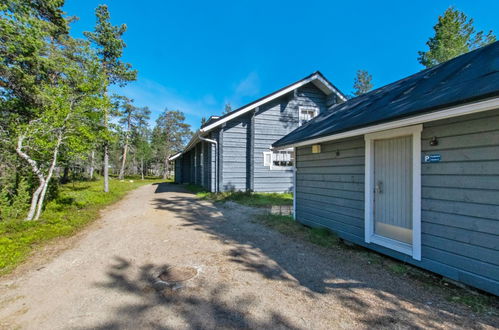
x,y
413,250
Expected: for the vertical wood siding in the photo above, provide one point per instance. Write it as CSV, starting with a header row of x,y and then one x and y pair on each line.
x,y
235,153
243,140
460,197
393,198
273,121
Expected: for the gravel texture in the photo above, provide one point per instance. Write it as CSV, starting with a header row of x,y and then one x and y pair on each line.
x,y
248,276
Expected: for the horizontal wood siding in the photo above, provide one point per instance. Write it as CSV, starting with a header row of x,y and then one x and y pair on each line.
x,y
273,121
330,187
460,197
235,153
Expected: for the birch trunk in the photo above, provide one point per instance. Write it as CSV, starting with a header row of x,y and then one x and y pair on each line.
x,y
49,176
142,168
106,168
38,173
91,170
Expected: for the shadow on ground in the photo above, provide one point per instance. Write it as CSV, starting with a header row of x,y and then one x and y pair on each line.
x,y
187,307
364,293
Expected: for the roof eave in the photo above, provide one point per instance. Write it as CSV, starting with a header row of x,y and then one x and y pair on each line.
x,y
449,112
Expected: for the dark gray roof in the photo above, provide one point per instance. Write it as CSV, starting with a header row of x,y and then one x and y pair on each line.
x,y
470,77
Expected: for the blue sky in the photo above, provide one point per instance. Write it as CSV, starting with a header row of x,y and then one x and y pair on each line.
x,y
195,56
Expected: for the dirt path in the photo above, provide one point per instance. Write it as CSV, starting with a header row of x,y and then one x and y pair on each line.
x,y
248,277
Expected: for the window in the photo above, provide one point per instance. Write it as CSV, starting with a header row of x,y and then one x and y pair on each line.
x,y
281,159
307,114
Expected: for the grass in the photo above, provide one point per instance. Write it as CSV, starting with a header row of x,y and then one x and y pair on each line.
x,y
476,301
244,198
287,225
77,204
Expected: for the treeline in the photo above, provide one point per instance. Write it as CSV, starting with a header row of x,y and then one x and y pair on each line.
x,y
58,118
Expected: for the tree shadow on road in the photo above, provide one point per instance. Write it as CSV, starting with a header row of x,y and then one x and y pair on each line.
x,y
374,297
157,303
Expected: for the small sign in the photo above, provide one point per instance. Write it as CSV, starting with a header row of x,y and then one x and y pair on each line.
x,y
435,158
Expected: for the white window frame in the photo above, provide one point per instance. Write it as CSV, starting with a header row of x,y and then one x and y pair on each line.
x,y
300,109
271,164
413,249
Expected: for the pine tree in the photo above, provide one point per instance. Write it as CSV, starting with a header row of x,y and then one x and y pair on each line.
x,y
109,43
362,82
454,35
170,136
130,118
227,109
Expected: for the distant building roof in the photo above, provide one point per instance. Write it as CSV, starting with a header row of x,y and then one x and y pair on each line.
x,y
317,78
468,78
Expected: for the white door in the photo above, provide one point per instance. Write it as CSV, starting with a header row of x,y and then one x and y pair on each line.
x,y
393,188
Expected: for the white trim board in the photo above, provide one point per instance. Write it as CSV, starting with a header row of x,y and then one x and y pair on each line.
x,y
461,110
369,235
271,97
175,156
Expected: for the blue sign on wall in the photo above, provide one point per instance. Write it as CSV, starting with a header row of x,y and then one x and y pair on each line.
x,y
434,158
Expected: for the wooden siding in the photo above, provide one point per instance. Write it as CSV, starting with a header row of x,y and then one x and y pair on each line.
x,y
273,121
460,197
235,153
178,170
242,141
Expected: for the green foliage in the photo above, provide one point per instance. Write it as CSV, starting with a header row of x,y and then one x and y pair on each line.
x,y
454,35
227,109
244,198
169,136
14,200
362,82
77,205
25,29
109,43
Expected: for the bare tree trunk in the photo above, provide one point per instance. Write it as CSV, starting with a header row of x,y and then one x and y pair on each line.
x,y
49,176
106,168
142,168
106,154
123,161
91,170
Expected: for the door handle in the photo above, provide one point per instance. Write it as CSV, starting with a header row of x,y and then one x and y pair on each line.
x,y
379,188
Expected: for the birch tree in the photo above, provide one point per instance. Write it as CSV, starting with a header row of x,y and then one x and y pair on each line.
x,y
66,115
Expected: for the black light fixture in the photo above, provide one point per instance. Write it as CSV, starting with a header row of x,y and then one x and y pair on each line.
x,y
337,153
434,141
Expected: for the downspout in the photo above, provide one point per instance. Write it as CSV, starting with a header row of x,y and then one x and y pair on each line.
x,y
216,158
294,184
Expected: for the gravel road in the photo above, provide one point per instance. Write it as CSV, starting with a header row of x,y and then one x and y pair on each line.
x,y
244,276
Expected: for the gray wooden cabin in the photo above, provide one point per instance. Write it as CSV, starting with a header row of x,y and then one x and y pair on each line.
x,y
232,152
411,169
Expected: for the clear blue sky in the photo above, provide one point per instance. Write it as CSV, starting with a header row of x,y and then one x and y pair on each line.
x,y
195,56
